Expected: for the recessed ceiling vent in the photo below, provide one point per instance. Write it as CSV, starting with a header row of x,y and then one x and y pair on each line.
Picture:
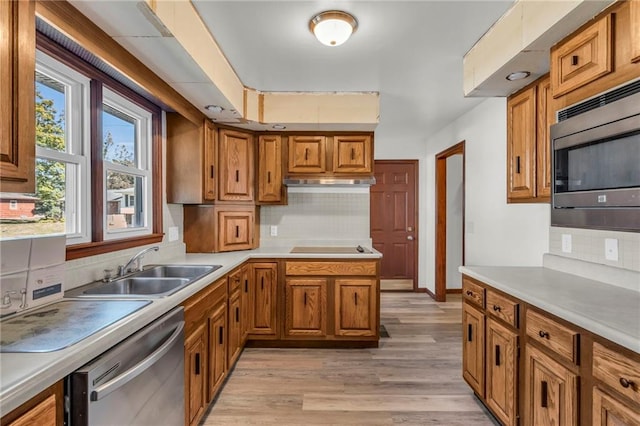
x,y
600,100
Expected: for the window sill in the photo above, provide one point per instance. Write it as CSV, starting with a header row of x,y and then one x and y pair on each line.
x,y
78,251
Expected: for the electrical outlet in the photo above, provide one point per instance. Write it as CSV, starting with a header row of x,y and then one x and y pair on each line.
x,y
566,243
274,230
611,249
173,233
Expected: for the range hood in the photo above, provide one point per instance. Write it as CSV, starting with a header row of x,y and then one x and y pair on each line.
x,y
333,182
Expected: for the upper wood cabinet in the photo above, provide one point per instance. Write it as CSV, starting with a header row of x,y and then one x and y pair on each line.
x,y
191,161
270,187
236,163
17,96
219,228
529,116
634,13
307,154
583,58
352,154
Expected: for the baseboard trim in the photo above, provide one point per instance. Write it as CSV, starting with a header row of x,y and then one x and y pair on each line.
x,y
426,290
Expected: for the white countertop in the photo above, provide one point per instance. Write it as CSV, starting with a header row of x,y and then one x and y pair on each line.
x,y
24,375
603,309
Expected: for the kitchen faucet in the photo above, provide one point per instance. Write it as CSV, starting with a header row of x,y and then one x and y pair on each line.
x,y
137,258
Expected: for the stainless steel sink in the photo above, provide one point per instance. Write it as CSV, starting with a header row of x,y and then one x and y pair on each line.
x,y
156,281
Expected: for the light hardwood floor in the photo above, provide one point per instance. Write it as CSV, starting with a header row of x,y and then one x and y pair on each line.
x,y
413,378
396,285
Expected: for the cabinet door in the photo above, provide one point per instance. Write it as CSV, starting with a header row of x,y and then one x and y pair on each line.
x,y
307,154
210,161
235,229
217,349
521,145
610,411
545,118
17,96
634,12
235,330
306,307
473,348
270,169
194,375
501,371
551,391
264,299
43,414
236,166
246,303
352,154
355,307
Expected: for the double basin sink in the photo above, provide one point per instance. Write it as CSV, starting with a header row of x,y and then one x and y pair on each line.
x,y
155,281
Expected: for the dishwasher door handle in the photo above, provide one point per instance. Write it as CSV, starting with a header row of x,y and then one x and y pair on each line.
x,y
119,381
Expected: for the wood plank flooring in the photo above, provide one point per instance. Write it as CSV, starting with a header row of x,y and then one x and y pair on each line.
x,y
413,378
406,285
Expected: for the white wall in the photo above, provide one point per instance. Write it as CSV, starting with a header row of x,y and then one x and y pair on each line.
x,y
455,196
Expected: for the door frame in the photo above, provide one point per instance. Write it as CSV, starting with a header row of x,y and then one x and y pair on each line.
x,y
416,165
441,216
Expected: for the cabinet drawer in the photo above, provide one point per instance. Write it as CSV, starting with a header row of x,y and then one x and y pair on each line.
x,y
617,371
502,307
331,268
235,281
196,308
562,340
473,293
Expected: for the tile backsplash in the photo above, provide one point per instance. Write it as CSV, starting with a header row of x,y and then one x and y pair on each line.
x,y
589,245
316,218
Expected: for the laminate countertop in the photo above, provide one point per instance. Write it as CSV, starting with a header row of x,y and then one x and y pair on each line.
x,y
24,375
606,310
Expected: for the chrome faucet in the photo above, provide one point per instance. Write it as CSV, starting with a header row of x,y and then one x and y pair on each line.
x,y
135,259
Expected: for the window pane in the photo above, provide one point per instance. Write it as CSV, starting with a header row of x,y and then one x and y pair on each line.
x,y
124,201
50,119
119,137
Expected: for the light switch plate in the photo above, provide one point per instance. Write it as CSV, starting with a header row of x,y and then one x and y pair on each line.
x,y
274,230
566,243
173,233
611,249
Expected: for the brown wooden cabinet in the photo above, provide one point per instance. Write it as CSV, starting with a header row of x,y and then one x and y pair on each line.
x,y
17,96
264,282
195,353
529,115
246,301
270,187
352,154
307,154
44,409
551,391
236,164
217,322
220,228
583,57
473,348
235,328
356,305
305,307
502,371
191,161
634,13
609,410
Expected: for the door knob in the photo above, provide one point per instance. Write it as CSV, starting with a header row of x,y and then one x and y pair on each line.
x,y
410,237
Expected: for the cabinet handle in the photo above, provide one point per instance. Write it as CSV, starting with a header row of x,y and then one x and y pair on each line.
x,y
353,154
221,335
305,298
518,164
574,60
543,334
237,314
626,383
268,177
237,175
355,298
212,172
237,231
469,293
469,333
262,283
306,154
497,308
543,394
197,364
497,355
246,286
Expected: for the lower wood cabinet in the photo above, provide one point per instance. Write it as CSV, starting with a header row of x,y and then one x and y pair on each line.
x,y
235,329
502,371
264,282
195,352
44,409
355,307
612,411
217,349
305,307
473,348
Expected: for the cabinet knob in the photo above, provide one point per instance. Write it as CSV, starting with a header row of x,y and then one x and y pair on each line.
x,y
497,308
409,237
469,293
543,334
626,383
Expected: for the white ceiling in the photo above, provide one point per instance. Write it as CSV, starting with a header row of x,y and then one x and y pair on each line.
x,y
409,51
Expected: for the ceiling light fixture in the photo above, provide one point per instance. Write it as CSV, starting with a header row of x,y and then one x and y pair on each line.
x,y
518,75
333,27
216,109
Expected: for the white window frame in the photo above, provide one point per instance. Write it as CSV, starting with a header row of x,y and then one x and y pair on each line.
x,y
144,138
77,143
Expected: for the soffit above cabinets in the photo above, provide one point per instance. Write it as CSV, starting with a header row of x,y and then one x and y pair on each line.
x,y
520,41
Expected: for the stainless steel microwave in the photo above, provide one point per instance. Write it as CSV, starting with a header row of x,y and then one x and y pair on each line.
x,y
596,167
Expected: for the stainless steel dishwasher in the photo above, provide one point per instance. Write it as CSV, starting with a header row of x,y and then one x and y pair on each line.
x,y
140,381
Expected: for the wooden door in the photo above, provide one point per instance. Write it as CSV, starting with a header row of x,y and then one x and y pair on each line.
x,y
264,297
246,302
235,228
501,371
307,154
235,330
521,145
210,160
551,391
194,375
473,348
394,217
43,414
610,411
306,307
355,307
545,118
236,166
352,154
217,349
270,169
